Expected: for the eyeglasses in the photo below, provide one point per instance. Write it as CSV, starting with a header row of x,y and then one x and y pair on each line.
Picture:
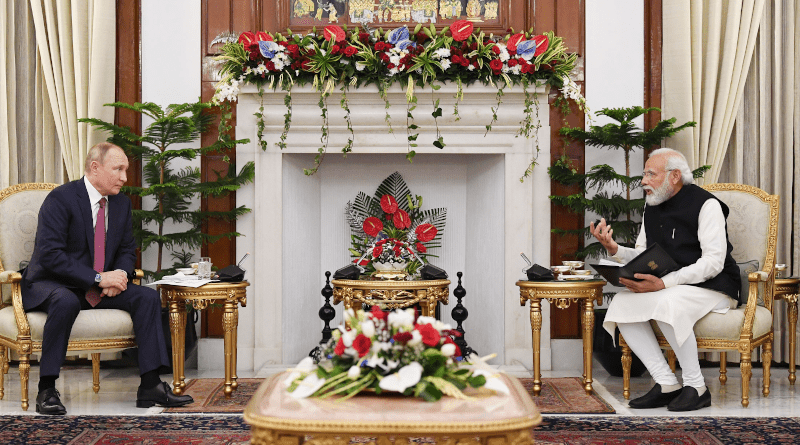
x,y
650,174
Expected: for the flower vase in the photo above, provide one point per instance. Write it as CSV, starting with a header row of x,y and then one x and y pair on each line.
x,y
390,270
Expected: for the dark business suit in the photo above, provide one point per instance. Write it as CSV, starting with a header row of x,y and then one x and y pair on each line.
x,y
60,272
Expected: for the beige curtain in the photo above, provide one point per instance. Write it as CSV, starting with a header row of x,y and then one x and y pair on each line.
x,y
707,47
76,39
29,151
764,147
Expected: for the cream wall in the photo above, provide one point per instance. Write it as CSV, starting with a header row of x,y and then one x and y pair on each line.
x,y
614,78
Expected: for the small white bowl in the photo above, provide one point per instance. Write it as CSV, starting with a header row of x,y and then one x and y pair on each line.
x,y
185,270
573,264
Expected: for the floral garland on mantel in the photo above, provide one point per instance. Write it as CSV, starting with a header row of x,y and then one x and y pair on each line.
x,y
415,59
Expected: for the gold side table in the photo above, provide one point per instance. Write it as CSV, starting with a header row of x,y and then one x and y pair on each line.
x,y
562,294
275,417
390,294
788,289
231,295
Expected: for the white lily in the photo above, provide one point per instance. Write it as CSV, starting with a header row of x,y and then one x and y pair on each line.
x,y
308,386
304,367
354,372
403,379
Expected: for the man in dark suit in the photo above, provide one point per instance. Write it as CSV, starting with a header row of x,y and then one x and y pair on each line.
x,y
70,271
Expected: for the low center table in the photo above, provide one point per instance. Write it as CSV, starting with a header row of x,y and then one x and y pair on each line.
x,y
275,417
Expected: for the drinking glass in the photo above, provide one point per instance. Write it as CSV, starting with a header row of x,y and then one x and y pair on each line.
x,y
204,268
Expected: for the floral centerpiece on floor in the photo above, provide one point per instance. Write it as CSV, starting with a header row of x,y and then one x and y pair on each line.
x,y
337,57
395,352
390,233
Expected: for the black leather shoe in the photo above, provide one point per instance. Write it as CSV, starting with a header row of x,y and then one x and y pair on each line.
x,y
654,398
160,395
689,400
48,401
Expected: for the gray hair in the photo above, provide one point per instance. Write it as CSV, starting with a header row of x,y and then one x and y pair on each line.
x,y
97,153
675,161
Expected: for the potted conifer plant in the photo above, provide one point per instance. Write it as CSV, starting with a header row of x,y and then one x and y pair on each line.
x,y
611,195
169,191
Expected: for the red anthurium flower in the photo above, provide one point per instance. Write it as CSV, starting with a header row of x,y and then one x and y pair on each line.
x,y
334,32
339,349
426,232
461,29
403,337
247,38
388,204
430,336
378,314
372,226
542,42
362,263
421,248
401,220
512,42
362,343
261,36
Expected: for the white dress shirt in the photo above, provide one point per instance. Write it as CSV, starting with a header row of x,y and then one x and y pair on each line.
x,y
94,200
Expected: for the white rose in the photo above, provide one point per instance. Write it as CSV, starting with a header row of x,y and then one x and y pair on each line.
x,y
416,338
354,372
347,338
448,349
368,328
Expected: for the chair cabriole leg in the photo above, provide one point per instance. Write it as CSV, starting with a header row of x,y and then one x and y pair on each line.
x,y
766,357
96,372
723,367
627,359
746,368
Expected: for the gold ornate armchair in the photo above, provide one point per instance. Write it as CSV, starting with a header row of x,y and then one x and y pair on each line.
x,y
109,330
753,232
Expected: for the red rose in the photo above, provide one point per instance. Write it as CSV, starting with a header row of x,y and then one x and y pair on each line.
x,y
388,203
496,65
401,220
334,32
378,314
526,69
513,41
361,344
377,251
261,36
379,46
339,349
402,337
247,38
293,49
335,50
496,50
461,29
372,226
426,232
512,63
421,248
350,51
542,42
430,336
464,62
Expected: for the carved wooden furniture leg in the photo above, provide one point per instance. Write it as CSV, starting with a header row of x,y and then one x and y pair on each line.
x,y
228,325
766,358
791,301
96,372
627,360
536,337
746,366
723,367
8,354
177,327
588,334
24,374
3,359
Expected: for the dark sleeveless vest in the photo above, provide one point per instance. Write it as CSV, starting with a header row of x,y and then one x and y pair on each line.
x,y
673,225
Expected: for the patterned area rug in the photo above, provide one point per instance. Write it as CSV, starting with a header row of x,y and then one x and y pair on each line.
x,y
558,396
231,429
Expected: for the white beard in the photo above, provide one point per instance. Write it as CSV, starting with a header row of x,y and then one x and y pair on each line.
x,y
659,195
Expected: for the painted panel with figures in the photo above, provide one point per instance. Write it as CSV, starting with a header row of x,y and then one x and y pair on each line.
x,y
383,12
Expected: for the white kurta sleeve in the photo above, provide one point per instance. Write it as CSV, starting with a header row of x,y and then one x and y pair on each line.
x,y
713,243
625,254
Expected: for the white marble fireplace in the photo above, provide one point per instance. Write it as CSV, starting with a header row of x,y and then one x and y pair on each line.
x,y
297,229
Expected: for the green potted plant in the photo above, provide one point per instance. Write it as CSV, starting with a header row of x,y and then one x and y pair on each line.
x,y
171,189
611,195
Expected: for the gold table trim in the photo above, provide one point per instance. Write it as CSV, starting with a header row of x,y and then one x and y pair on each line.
x,y
271,429
231,295
392,294
562,294
788,290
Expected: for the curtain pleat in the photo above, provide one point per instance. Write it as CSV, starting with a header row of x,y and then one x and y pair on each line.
x,y
77,49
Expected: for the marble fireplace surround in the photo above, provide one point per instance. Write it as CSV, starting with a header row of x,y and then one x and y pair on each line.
x,y
297,229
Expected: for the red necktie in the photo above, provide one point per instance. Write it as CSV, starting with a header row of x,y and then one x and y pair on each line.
x,y
93,294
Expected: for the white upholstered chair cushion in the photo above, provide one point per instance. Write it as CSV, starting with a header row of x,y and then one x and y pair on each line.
x,y
95,324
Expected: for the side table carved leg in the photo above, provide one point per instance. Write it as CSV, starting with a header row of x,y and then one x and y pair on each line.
x,y
229,326
235,348
536,329
588,339
176,327
791,301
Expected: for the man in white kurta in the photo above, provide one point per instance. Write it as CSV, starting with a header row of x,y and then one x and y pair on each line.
x,y
679,299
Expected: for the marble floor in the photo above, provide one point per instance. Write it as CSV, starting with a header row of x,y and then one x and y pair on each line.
x,y
118,392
